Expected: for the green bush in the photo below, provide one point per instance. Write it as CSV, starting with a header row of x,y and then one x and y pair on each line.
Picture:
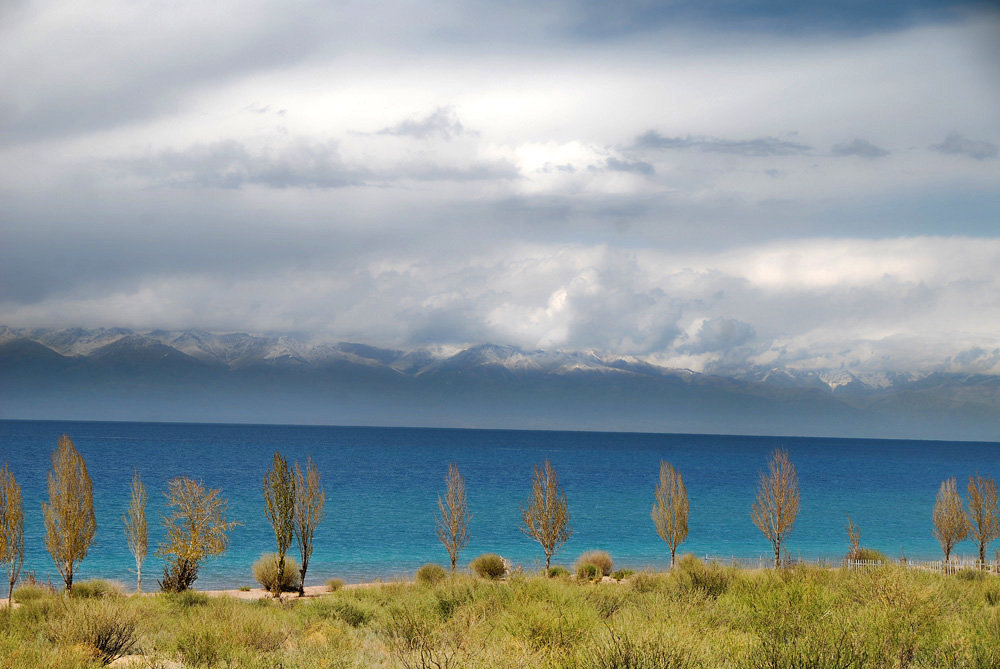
x,y
972,575
870,555
622,574
557,571
30,592
648,581
354,614
189,598
244,588
179,576
106,627
430,574
334,584
95,588
265,570
601,559
489,565
585,571
693,574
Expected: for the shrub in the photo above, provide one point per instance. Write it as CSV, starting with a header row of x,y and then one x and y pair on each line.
x,y
108,628
354,614
693,574
430,574
94,589
586,571
334,584
30,592
179,576
971,575
870,555
600,559
188,598
244,588
622,574
557,571
648,581
489,565
265,570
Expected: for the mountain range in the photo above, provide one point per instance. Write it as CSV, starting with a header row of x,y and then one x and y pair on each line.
x,y
192,375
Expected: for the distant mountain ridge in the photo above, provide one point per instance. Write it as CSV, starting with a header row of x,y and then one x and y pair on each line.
x,y
122,374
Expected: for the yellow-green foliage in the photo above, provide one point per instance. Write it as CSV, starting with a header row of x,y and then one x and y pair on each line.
x,y
600,559
430,574
697,615
489,565
265,570
96,588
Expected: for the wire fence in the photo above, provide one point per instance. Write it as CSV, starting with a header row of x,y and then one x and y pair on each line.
x,y
951,566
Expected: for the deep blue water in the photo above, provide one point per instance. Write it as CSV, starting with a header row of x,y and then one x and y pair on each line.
x,y
382,486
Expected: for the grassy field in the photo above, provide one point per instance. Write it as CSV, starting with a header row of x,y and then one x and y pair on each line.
x,y
696,616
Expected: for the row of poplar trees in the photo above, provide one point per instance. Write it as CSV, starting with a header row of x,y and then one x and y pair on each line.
x,y
545,514
195,525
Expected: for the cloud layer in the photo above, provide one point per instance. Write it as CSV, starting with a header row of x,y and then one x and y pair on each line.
x,y
559,175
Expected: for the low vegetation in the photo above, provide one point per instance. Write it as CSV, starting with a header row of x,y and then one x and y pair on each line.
x,y
268,571
696,615
431,574
600,559
489,565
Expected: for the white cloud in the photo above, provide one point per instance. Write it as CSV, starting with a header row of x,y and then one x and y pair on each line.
x,y
358,173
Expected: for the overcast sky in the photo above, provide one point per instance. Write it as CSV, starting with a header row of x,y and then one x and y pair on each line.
x,y
703,184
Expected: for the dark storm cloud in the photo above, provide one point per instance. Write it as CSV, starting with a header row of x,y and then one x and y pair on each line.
x,y
859,147
760,146
956,144
442,123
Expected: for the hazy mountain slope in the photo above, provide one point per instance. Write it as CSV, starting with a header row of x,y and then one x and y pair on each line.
x,y
123,375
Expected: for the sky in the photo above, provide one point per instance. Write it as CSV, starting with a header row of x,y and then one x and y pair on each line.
x,y
708,185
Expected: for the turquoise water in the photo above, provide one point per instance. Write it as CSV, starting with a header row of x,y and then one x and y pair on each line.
x,y
382,486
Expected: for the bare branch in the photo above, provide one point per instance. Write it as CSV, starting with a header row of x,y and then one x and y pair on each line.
x,y
671,508
777,502
545,518
453,523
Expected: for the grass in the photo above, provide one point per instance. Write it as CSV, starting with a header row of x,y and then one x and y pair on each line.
x,y
697,615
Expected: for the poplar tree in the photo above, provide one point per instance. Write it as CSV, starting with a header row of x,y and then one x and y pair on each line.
x,y
279,502
670,510
950,523
309,501
453,523
195,529
545,517
11,529
777,502
982,497
70,524
136,529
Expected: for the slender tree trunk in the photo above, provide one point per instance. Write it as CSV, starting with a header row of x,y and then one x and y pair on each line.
x,y
982,555
302,578
777,555
69,580
548,558
138,576
10,595
454,559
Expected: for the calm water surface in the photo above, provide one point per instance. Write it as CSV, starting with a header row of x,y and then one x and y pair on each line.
x,y
382,486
